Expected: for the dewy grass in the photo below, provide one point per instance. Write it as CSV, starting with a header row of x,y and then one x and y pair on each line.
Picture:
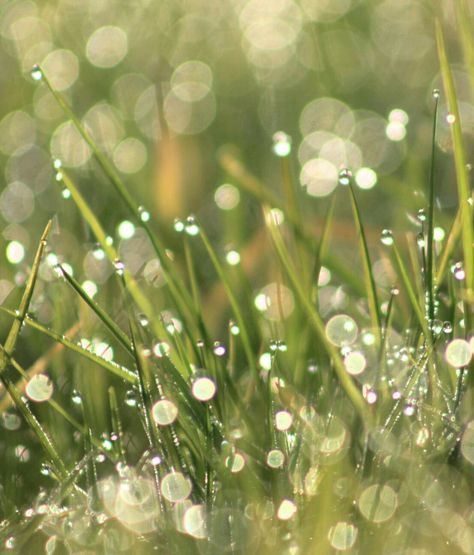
x,y
301,426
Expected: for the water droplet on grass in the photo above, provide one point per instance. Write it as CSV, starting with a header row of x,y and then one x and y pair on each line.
x,y
204,389
194,521
178,225
458,353
36,73
281,144
386,237
131,398
447,328
421,215
76,397
341,330
40,388
164,412
435,93
234,328
355,363
191,227
161,349
450,118
126,229
345,176
378,503
286,510
235,463
232,258
283,420
219,349
458,271
175,487
119,266
342,536
275,458
144,214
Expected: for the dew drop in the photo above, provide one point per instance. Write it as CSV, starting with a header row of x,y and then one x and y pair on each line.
x,y
447,327
219,349
76,397
345,176
275,458
234,328
144,214
435,93
458,271
286,510
119,266
386,237
10,543
378,503
232,258
421,215
281,144
283,420
40,388
355,363
204,389
235,463
161,349
36,73
164,412
178,225
131,398
420,240
191,227
341,330
194,521
175,487
458,353
342,536
450,118
126,229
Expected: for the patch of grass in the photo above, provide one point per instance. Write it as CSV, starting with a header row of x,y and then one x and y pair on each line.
x,y
316,419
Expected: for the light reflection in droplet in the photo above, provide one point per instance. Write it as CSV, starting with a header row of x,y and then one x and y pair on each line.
x,y
341,330
378,503
342,536
164,412
175,487
458,353
40,388
204,389
275,458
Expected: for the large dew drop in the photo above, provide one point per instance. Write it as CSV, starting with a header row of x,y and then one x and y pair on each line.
x,y
378,503
175,487
341,330
40,388
164,412
342,536
204,389
458,353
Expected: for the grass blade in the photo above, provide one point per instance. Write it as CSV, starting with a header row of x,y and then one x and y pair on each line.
x,y
459,162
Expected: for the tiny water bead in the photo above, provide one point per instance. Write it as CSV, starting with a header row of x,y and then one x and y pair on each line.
x,y
345,176
281,144
275,458
76,397
227,196
341,330
458,353
450,119
178,225
90,288
366,178
191,227
435,94
36,73
204,389
378,503
40,388
421,215
458,271
164,412
219,349
286,510
15,252
369,394
234,328
161,349
342,536
386,237
175,487
119,266
143,214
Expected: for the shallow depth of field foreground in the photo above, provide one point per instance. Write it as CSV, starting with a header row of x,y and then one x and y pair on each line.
x,y
237,277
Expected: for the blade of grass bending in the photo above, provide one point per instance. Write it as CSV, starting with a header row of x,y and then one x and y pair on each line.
x,y
431,201
459,162
317,324
98,310
116,369
234,304
12,337
131,285
178,291
370,287
33,423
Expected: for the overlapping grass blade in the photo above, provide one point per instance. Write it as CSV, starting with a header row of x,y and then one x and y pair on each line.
x,y
370,287
459,162
317,324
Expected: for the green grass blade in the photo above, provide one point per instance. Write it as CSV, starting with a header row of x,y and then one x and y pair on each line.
x,y
116,369
110,324
370,287
317,324
459,162
12,337
246,343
